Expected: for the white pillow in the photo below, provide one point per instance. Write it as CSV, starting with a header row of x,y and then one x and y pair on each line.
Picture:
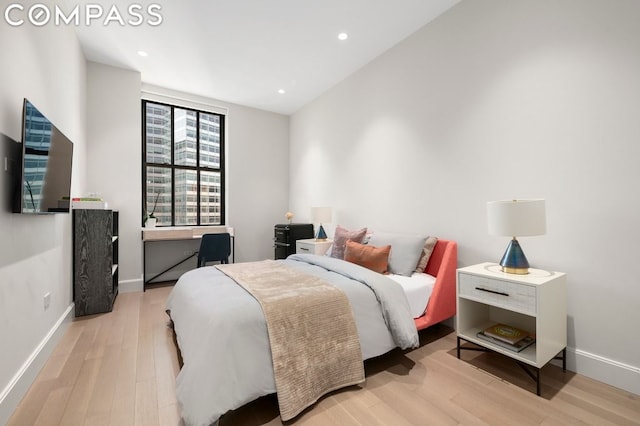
x,y
405,250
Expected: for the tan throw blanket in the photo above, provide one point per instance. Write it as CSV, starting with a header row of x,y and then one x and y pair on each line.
x,y
313,336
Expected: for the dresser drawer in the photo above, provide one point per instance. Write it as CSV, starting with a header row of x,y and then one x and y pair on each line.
x,y
505,294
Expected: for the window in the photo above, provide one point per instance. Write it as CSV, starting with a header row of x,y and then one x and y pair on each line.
x,y
182,165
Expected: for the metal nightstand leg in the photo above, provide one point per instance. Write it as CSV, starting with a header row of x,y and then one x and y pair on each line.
x,y
563,358
535,375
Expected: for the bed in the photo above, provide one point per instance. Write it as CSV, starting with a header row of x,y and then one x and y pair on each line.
x,y
224,342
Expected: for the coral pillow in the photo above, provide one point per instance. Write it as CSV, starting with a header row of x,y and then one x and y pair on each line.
x,y
371,257
340,238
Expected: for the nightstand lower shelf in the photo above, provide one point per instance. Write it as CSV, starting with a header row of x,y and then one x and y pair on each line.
x,y
523,359
527,355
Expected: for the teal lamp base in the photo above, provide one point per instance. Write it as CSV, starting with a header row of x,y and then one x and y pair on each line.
x,y
514,261
321,235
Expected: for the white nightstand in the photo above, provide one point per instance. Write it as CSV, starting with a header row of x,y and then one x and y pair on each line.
x,y
536,302
312,246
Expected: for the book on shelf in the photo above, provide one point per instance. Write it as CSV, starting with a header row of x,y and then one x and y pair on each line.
x,y
506,333
516,347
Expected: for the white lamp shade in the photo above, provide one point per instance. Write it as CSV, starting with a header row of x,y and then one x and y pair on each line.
x,y
321,214
516,218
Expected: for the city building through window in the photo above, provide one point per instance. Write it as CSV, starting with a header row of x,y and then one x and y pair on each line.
x,y
183,165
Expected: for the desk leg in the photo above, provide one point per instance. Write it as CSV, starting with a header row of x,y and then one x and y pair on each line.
x,y
170,268
146,281
144,266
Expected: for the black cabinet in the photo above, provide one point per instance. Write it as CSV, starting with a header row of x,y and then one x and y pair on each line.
x,y
285,236
95,260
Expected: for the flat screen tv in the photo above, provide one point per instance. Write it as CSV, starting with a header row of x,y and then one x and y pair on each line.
x,y
46,165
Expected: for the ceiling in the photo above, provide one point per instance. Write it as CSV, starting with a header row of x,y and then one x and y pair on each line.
x,y
245,51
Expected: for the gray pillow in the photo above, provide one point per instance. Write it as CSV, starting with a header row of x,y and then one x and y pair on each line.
x,y
405,250
429,245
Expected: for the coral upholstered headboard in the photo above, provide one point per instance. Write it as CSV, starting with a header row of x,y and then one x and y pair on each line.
x,y
442,303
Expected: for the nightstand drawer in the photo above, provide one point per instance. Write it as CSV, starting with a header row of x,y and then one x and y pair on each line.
x,y
312,246
509,295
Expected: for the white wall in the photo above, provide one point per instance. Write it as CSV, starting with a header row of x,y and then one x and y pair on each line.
x,y
257,168
258,178
498,100
114,157
46,66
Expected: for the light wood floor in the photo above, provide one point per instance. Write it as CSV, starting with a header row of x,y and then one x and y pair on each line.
x,y
120,368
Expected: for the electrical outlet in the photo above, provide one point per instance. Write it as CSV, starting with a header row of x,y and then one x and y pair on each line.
x,y
47,300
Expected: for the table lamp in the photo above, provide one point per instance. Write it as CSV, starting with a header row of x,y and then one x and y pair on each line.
x,y
516,218
320,215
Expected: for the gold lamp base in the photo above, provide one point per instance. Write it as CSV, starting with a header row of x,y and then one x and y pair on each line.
x,y
517,271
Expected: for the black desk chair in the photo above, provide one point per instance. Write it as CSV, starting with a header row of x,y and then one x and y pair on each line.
x,y
214,248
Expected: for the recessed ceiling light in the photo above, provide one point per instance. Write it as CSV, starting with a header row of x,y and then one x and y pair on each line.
x,y
343,36
281,91
143,53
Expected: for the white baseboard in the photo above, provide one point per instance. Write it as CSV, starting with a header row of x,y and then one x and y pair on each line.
x,y
13,393
605,370
450,322
614,373
129,286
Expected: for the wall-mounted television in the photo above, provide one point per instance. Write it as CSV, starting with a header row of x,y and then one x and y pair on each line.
x,y
46,165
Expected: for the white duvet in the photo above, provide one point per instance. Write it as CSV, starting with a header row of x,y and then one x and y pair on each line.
x,y
223,337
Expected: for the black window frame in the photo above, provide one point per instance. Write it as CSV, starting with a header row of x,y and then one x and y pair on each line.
x,y
173,167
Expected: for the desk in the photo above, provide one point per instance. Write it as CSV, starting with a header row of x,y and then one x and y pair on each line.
x,y
177,233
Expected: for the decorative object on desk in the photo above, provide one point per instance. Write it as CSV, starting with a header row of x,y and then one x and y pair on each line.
x,y
289,216
516,218
150,220
320,215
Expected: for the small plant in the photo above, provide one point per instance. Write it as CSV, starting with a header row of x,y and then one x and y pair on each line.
x,y
153,210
